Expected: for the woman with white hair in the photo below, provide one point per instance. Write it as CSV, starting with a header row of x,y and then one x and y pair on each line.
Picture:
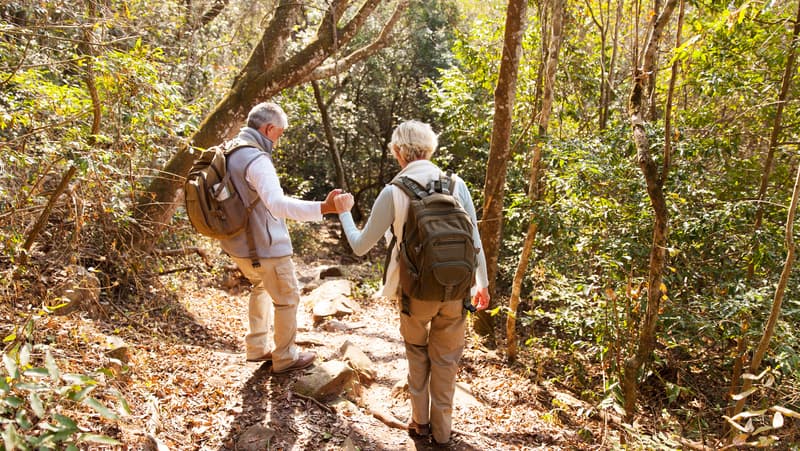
x,y
433,331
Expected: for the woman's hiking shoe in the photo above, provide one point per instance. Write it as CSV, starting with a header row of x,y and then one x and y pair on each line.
x,y
264,358
418,430
304,360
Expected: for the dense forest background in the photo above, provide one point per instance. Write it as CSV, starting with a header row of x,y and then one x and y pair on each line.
x,y
100,99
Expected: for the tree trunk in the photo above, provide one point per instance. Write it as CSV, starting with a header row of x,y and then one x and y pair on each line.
x,y
494,188
637,108
341,180
769,161
267,72
769,328
556,36
790,256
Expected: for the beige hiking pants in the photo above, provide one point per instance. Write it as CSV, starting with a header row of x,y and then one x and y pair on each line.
x,y
434,336
274,286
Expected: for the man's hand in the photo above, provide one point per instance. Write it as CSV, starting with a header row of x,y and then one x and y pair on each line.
x,y
344,202
481,299
328,206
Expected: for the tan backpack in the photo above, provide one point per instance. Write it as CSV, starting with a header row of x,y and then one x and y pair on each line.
x,y
212,202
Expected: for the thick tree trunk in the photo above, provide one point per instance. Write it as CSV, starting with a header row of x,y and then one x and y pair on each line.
x,y
491,224
654,182
556,36
266,73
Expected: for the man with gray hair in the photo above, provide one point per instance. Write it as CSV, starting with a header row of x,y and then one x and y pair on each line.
x,y
272,273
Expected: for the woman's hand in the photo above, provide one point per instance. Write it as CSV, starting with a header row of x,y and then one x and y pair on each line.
x,y
481,299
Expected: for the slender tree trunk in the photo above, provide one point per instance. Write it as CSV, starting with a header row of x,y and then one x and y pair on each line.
x,y
762,192
775,313
267,72
341,180
556,36
610,80
769,161
654,181
491,225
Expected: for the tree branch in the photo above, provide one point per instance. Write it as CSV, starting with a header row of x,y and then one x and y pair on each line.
x,y
380,42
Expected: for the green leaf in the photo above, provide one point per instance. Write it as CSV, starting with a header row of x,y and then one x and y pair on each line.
x,y
96,438
36,405
104,411
50,364
65,421
122,406
36,372
22,419
27,386
11,439
12,401
9,338
11,366
25,355
79,395
78,379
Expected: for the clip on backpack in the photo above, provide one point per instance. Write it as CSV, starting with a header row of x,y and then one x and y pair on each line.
x,y
437,254
213,204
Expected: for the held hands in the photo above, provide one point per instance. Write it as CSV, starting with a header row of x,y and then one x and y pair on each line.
x,y
328,206
481,299
343,202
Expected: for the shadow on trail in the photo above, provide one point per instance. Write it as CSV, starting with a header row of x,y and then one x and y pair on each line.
x,y
165,315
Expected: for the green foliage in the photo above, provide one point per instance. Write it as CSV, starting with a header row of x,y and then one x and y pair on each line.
x,y
34,400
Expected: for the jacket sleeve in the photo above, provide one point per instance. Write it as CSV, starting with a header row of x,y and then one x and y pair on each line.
x,y
261,175
380,219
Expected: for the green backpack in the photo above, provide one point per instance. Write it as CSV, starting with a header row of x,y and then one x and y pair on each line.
x,y
212,202
438,257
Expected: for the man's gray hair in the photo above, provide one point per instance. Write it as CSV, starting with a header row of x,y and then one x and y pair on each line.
x,y
267,113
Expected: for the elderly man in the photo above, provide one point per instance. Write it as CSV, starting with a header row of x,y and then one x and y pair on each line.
x,y
272,273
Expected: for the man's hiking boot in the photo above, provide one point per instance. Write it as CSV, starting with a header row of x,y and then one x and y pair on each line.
x,y
264,358
304,360
418,430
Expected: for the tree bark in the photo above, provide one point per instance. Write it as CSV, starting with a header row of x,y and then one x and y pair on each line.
x,y
267,72
556,36
494,188
637,108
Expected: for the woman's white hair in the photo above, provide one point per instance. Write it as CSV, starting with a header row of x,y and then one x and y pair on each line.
x,y
414,140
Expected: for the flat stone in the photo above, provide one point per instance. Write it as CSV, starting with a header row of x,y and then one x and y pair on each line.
x,y
255,438
325,380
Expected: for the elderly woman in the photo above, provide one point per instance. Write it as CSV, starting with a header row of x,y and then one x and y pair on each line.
x,y
433,331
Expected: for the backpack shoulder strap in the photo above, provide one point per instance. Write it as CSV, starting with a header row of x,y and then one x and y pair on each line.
x,y
411,187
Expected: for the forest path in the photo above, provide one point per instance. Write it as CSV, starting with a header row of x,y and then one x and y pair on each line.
x,y
196,391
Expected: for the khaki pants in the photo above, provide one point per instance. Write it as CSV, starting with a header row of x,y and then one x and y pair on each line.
x,y
274,285
434,336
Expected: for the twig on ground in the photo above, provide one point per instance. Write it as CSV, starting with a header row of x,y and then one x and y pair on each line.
x,y
324,407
